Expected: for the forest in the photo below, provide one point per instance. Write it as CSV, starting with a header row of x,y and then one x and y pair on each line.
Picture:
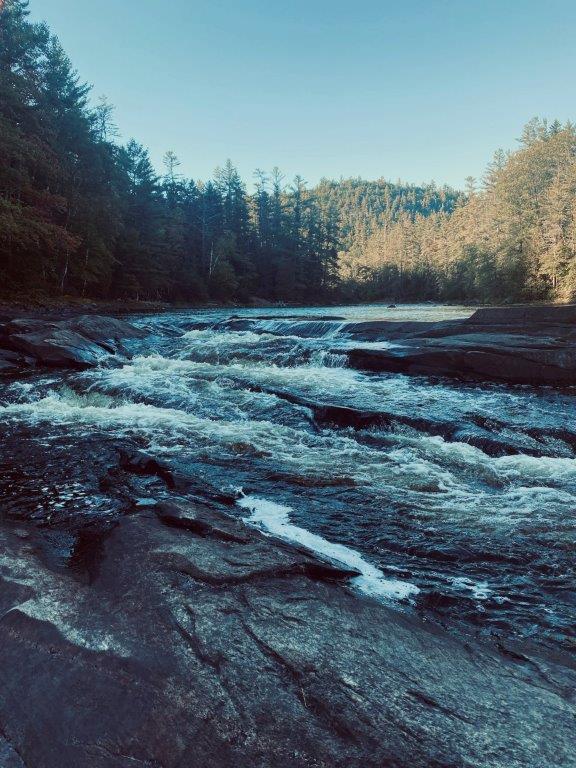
x,y
511,237
83,215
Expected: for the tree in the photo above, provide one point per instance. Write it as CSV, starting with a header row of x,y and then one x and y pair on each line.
x,y
81,215
103,119
171,164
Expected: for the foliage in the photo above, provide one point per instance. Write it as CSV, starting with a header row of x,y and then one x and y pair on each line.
x,y
514,239
81,215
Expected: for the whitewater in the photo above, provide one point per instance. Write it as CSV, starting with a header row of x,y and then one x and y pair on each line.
x,y
474,538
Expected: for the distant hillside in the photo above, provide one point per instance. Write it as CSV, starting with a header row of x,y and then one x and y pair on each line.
x,y
512,238
365,206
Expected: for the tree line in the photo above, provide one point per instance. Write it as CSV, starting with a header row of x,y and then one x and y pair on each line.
x,y
510,238
84,215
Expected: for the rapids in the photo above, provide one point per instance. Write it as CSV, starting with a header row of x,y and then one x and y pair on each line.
x,y
475,537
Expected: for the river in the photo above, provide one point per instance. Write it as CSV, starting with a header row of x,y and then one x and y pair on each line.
x,y
474,538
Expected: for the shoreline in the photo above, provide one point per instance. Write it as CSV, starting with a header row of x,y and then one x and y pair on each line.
x,y
56,308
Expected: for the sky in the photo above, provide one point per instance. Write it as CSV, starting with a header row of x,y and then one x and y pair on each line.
x,y
415,90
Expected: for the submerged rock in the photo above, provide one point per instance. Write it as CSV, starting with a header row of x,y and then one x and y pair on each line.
x,y
201,642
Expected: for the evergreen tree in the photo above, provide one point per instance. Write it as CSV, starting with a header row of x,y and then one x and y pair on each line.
x,y
81,215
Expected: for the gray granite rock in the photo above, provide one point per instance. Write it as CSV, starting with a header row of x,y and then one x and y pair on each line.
x,y
200,642
79,342
517,345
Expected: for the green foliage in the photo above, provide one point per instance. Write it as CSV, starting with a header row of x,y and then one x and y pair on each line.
x,y
80,215
514,239
83,216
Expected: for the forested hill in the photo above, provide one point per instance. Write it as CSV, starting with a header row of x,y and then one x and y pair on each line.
x,y
83,215
366,206
512,239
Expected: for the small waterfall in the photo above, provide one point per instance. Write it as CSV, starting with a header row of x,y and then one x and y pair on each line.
x,y
328,359
306,329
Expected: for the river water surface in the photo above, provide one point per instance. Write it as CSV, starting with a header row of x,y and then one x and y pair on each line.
x,y
475,530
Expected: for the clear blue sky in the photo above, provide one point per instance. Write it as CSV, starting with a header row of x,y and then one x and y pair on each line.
x,y
418,90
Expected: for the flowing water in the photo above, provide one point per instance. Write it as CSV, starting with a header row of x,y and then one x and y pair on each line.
x,y
474,525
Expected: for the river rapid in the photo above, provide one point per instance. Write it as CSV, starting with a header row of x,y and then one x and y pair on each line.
x,y
476,531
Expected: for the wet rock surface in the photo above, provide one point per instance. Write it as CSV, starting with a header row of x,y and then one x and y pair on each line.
x,y
78,342
520,345
198,641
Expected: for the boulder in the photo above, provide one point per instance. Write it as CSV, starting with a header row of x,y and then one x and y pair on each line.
x,y
510,365
517,345
79,342
27,325
60,347
141,463
103,329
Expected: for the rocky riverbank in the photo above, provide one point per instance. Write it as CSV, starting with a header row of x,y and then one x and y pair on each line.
x,y
517,345
144,623
193,640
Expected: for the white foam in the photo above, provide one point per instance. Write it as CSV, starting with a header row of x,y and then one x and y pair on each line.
x,y
275,519
479,589
225,338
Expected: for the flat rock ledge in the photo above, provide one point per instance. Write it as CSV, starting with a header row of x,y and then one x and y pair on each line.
x,y
517,345
78,342
198,642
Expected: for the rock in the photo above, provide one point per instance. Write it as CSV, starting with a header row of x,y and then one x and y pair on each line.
x,y
78,342
8,757
27,325
14,357
60,347
490,436
507,364
193,648
103,329
389,330
9,360
519,345
255,558
525,315
199,520
141,463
